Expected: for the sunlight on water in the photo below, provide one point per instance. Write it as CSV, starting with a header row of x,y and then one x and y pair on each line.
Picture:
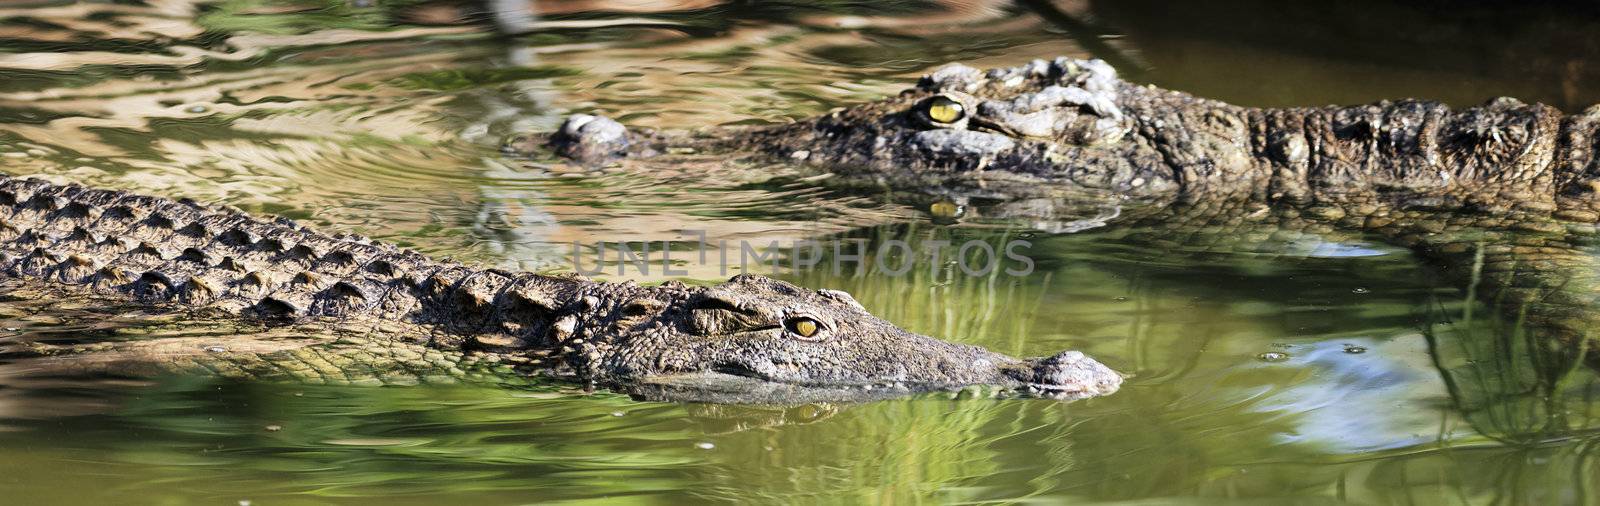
x,y
1308,367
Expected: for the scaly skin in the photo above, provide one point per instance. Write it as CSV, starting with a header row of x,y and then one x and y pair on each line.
x,y
388,312
1072,125
1505,195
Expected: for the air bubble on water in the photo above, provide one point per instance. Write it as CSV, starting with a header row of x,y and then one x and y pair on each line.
x,y
1273,356
617,413
705,446
1360,290
197,109
1355,350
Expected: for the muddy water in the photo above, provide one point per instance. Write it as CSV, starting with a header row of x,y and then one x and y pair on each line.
x,y
1312,370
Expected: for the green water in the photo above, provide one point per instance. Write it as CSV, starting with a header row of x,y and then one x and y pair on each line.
x,y
1318,370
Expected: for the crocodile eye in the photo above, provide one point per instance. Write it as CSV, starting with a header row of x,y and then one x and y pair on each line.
x,y
943,109
946,209
804,327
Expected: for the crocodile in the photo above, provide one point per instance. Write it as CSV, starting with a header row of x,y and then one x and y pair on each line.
x,y
388,309
1504,196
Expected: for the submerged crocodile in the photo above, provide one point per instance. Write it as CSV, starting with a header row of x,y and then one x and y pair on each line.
x,y
374,310
1505,196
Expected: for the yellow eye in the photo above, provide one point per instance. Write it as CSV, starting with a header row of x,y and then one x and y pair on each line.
x,y
944,109
804,327
945,209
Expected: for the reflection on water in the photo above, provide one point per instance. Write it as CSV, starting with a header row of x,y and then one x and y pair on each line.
x,y
1261,52
1354,409
1309,366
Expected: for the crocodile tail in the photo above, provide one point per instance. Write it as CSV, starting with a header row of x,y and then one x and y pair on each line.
x,y
179,253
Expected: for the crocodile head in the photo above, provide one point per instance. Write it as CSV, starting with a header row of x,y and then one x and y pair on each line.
x,y
754,335
1064,122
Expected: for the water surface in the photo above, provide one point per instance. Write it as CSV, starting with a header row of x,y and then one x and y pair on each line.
x,y
1313,369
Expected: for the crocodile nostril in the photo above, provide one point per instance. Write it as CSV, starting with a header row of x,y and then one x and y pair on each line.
x,y
1065,358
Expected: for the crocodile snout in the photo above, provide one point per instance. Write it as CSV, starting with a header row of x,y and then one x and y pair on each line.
x,y
1069,374
590,138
